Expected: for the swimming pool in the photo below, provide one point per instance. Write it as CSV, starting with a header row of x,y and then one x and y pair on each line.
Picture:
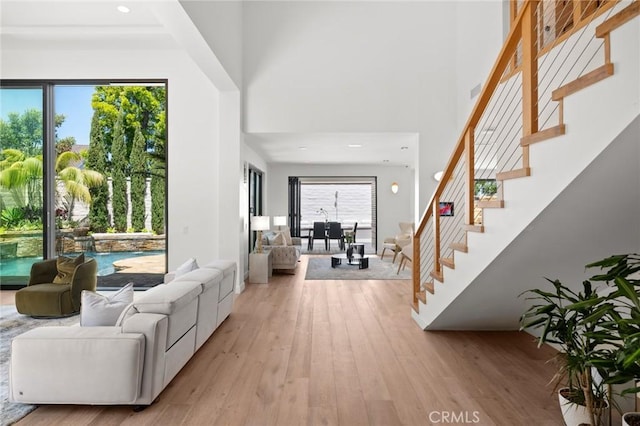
x,y
21,266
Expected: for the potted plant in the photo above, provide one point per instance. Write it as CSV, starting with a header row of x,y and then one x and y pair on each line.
x,y
570,321
624,322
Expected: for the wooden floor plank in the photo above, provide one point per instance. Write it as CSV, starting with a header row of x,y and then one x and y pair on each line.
x,y
296,352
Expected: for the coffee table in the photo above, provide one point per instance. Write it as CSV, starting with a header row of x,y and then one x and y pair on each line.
x,y
356,259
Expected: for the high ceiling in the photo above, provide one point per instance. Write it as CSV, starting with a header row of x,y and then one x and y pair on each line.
x,y
98,24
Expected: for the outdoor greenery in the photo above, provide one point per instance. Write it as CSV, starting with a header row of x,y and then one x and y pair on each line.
x,y
138,163
119,176
127,141
597,329
97,160
158,173
485,187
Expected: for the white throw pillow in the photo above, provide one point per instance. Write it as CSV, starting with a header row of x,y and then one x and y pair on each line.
x,y
99,310
287,235
279,240
188,266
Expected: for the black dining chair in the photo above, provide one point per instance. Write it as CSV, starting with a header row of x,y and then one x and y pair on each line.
x,y
335,233
317,233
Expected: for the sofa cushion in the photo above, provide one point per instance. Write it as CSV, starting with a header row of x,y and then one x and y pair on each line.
x,y
228,267
66,267
97,309
286,232
206,276
166,299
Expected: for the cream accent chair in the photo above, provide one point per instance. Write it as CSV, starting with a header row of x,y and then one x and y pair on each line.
x,y
396,244
406,254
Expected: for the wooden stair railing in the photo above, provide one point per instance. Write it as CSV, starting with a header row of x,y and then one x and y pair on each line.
x,y
521,42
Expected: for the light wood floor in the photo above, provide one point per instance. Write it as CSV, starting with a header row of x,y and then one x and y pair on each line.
x,y
298,352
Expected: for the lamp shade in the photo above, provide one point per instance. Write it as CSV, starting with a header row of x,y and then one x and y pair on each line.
x,y
279,221
260,223
394,187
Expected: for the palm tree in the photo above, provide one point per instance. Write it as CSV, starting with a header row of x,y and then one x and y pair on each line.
x,y
22,176
76,181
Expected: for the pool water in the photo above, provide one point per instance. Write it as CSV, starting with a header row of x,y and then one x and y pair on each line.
x,y
20,267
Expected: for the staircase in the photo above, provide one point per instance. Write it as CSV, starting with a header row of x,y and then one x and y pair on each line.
x,y
558,117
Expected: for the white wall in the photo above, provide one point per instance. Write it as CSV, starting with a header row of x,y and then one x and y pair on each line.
x,y
195,196
354,67
220,23
249,158
479,38
392,208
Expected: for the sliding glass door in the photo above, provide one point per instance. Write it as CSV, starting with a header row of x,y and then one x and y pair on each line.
x,y
82,170
22,185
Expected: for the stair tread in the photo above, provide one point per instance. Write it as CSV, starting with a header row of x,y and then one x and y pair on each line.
x,y
514,174
580,83
459,247
415,306
490,204
429,287
422,297
437,275
474,228
618,19
448,262
543,135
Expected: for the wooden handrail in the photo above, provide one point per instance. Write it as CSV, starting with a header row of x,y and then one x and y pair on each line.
x,y
499,67
506,53
524,29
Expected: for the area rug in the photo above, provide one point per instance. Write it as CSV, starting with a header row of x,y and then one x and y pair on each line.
x,y
13,324
319,268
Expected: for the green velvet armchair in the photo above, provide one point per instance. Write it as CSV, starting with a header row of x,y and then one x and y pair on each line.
x,y
44,297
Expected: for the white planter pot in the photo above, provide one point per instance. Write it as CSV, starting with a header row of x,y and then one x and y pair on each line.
x,y
575,414
624,418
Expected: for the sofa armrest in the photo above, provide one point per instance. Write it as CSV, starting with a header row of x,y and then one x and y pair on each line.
x,y
284,254
76,365
297,241
155,328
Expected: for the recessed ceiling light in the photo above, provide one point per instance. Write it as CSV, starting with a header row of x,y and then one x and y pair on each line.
x,y
302,148
438,176
123,9
385,161
404,147
354,145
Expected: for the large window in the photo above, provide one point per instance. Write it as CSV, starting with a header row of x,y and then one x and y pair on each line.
x,y
348,200
82,169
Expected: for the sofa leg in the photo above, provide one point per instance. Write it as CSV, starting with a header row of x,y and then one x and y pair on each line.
x,y
139,408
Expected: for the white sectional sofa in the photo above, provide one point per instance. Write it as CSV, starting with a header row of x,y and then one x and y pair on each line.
x,y
133,361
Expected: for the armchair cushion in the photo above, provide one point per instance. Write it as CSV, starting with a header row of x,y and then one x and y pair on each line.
x,y
45,300
66,266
